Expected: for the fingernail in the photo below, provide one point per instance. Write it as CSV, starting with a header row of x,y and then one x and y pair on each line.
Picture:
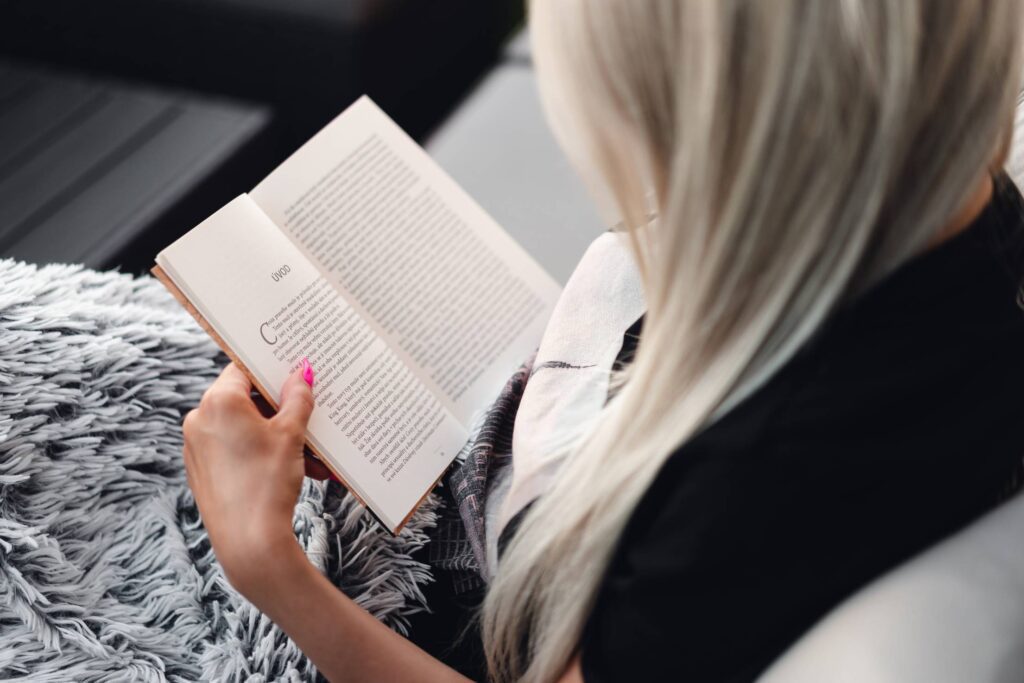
x,y
307,371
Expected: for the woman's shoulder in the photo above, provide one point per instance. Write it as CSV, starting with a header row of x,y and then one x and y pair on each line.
x,y
893,427
930,357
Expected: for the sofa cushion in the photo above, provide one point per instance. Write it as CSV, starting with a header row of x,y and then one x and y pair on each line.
x,y
953,614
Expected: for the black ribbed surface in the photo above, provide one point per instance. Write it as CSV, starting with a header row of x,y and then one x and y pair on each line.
x,y
89,167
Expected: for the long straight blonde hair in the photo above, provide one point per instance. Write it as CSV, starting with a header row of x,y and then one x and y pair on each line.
x,y
794,152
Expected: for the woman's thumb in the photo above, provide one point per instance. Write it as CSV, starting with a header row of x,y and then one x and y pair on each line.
x,y
297,398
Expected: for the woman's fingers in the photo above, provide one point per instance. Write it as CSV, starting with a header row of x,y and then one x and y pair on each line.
x,y
228,395
233,380
296,402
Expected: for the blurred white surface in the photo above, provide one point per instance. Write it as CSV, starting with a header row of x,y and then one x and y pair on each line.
x,y
498,147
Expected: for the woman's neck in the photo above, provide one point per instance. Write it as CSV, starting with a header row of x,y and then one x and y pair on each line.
x,y
970,210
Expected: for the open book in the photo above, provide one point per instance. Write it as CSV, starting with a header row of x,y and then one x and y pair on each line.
x,y
411,303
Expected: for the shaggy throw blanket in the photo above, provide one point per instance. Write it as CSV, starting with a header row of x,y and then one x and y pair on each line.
x,y
106,573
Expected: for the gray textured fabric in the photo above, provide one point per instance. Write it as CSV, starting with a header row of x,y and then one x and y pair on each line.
x,y
106,573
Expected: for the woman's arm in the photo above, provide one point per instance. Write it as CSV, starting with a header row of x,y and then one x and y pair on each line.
x,y
344,641
245,471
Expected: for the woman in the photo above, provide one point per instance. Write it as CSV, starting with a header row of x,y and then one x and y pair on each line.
x,y
827,380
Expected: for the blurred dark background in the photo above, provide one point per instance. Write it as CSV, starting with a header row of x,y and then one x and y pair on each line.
x,y
123,123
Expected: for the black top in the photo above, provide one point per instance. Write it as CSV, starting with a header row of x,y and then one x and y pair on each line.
x,y
902,420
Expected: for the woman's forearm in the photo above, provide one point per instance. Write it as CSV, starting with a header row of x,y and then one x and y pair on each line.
x,y
344,641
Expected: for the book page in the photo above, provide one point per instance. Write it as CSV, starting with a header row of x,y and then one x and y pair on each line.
x,y
379,427
406,246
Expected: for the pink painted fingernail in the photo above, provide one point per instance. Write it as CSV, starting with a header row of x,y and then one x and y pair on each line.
x,y
307,371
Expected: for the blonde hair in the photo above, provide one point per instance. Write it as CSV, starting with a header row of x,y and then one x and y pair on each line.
x,y
795,152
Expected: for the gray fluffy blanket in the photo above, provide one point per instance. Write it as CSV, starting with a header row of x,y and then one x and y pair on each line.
x,y
106,573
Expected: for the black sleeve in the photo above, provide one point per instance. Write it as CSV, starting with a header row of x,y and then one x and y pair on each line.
x,y
726,563
698,590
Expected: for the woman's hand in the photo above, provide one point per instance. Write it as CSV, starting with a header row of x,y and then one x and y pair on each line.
x,y
245,471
